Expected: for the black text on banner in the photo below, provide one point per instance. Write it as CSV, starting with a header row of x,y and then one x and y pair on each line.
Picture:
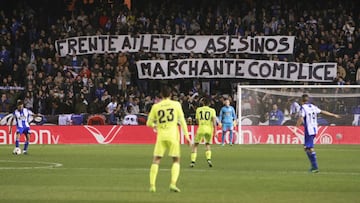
x,y
236,68
158,43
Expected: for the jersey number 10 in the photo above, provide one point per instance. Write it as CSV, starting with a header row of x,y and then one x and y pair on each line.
x,y
204,115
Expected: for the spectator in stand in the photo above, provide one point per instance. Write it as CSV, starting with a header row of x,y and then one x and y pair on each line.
x,y
85,71
112,109
99,92
59,79
323,33
294,109
4,103
95,106
276,116
148,104
126,76
29,101
78,85
40,102
81,105
5,58
105,98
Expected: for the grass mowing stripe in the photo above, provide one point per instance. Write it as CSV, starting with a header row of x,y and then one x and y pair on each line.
x,y
213,170
241,173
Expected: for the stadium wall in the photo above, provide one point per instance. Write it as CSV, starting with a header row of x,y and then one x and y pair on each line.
x,y
119,134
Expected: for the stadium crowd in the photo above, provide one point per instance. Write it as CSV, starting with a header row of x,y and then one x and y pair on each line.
x,y
31,69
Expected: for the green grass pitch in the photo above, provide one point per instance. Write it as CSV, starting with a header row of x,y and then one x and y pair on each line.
x,y
120,173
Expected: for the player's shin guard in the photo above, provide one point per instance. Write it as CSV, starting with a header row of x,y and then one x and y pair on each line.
x,y
208,155
17,143
153,174
26,145
175,172
193,157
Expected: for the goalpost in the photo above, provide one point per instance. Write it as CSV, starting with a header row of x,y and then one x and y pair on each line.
x,y
255,102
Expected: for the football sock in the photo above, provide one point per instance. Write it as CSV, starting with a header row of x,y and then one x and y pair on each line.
x,y
175,171
223,137
231,136
208,155
193,157
26,145
153,173
313,160
17,143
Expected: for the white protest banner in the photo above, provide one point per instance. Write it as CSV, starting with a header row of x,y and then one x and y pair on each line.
x,y
11,88
159,43
236,68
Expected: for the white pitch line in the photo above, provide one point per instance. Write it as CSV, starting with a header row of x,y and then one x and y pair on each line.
x,y
135,169
48,165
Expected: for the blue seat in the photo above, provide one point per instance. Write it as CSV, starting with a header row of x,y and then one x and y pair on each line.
x,y
77,119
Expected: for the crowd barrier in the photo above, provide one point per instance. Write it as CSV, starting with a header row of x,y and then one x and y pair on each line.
x,y
123,134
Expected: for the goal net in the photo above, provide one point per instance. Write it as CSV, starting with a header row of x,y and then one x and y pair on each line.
x,y
278,105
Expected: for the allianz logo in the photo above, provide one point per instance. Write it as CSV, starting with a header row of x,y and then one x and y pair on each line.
x,y
322,136
103,139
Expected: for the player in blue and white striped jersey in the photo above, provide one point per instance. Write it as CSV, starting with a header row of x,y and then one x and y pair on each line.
x,y
22,118
308,117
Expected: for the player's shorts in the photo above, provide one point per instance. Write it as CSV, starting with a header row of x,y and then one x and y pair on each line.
x,y
227,126
206,134
309,140
162,145
25,130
